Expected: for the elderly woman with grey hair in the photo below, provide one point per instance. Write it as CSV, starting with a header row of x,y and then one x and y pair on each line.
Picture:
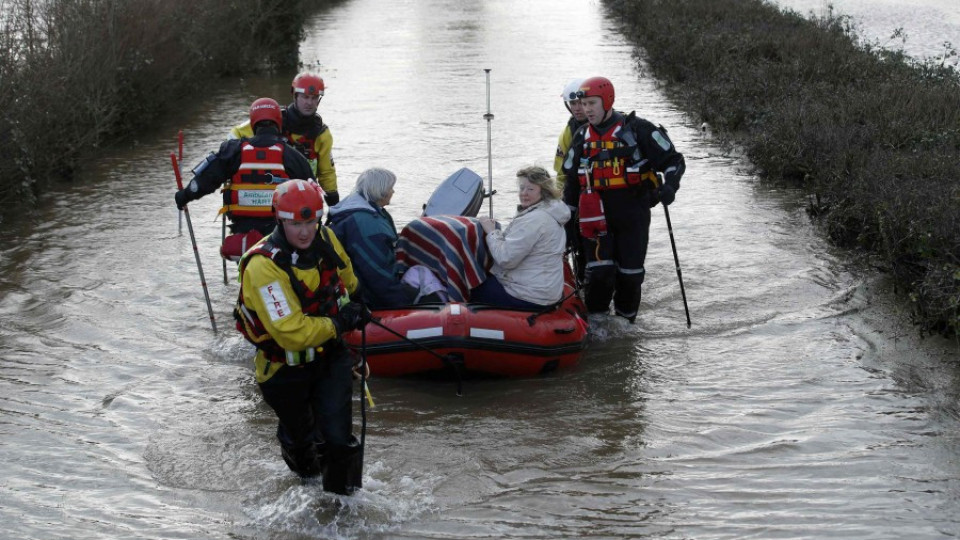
x,y
367,232
528,255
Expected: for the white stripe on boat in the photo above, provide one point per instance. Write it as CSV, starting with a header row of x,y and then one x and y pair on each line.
x,y
486,333
425,332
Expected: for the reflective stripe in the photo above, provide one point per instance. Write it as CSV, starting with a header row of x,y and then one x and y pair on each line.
x,y
298,90
261,166
425,332
486,333
631,270
246,313
600,263
295,358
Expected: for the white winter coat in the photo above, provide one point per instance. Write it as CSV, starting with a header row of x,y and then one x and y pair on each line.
x,y
528,254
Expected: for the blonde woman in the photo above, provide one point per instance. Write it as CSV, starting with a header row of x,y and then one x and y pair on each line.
x,y
528,254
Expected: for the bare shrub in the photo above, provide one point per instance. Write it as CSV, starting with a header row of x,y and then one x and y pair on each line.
x,y
76,73
873,135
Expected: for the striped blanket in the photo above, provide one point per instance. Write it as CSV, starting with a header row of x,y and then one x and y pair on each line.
x,y
452,247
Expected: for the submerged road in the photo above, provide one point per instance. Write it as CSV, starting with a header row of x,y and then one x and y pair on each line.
x,y
801,404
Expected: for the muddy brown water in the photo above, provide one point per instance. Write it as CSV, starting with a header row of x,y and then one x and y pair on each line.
x,y
801,404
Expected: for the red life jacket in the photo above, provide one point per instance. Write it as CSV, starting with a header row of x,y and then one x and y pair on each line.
x,y
324,301
610,171
306,144
249,193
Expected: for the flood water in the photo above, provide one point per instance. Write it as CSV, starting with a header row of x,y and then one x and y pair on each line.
x,y
925,29
801,404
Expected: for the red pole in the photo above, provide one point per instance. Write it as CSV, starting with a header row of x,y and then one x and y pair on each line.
x,y
193,240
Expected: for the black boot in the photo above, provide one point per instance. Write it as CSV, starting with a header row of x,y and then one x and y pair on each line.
x,y
304,461
343,468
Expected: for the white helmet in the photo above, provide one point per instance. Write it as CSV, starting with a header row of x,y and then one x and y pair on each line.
x,y
570,90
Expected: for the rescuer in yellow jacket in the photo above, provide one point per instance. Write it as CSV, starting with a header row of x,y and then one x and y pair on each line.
x,y
304,129
571,100
294,306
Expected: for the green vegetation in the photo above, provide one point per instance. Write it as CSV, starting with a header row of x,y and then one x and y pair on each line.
x,y
871,134
77,73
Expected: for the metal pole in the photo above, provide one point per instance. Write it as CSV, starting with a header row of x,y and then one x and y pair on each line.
x,y
489,117
223,236
193,240
180,159
676,260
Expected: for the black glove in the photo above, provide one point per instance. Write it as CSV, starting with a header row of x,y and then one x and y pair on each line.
x,y
667,194
331,198
182,197
352,316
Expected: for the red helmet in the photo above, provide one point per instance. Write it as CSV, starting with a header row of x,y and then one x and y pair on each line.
x,y
600,87
265,109
298,200
307,83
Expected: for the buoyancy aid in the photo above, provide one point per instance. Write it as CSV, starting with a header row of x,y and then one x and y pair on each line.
x,y
611,160
249,192
302,133
324,301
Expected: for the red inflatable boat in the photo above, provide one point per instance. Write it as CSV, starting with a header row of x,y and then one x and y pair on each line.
x,y
474,338
463,337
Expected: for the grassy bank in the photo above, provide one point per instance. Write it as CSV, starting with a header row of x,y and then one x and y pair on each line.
x,y
77,73
873,136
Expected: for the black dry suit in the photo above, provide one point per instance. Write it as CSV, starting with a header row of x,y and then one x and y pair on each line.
x,y
617,165
310,389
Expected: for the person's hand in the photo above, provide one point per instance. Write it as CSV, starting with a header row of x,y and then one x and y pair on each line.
x,y
488,224
331,198
350,317
356,371
667,194
182,197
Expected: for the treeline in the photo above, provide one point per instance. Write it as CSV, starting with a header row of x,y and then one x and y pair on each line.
x,y
871,134
77,73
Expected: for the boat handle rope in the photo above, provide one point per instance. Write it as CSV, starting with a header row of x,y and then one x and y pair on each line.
x,y
533,317
448,360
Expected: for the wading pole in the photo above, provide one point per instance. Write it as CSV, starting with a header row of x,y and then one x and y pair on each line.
x,y
223,236
489,117
676,260
193,240
363,388
180,160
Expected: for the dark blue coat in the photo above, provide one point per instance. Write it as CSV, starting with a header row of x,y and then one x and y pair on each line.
x,y
369,236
